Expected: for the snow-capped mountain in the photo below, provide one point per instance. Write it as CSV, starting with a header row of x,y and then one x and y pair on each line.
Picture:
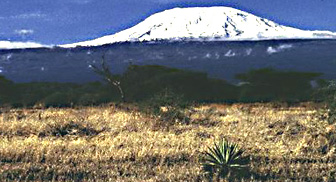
x,y
206,24
20,45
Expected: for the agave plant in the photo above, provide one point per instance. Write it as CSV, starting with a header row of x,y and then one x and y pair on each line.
x,y
226,159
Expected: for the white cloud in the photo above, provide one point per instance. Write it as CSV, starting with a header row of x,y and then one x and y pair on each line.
x,y
9,56
230,53
166,1
208,55
81,1
24,31
249,51
272,50
285,46
35,15
29,15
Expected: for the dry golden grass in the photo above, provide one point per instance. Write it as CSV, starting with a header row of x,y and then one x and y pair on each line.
x,y
110,144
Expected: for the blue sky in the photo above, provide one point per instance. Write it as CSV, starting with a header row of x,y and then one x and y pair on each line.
x,y
68,21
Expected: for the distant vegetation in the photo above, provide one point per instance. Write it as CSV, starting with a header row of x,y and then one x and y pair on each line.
x,y
142,83
270,85
328,94
159,129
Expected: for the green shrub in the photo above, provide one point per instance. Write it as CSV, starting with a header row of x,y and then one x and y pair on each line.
x,y
328,95
142,82
169,106
96,93
58,99
273,85
148,83
7,91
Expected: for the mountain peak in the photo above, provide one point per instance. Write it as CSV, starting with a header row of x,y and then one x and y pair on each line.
x,y
206,24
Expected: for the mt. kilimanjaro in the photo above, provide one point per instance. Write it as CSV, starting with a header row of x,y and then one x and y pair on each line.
x,y
219,41
206,24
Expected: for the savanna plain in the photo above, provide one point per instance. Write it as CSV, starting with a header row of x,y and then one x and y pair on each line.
x,y
119,143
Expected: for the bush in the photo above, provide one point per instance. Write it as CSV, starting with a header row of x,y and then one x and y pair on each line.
x,y
170,107
58,99
273,85
7,91
140,84
150,82
328,96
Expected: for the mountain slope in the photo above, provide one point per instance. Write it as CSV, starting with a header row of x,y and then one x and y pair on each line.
x,y
206,23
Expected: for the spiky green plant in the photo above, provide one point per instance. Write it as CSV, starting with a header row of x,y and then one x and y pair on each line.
x,y
226,159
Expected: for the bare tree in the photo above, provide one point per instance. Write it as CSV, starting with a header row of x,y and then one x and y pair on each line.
x,y
109,77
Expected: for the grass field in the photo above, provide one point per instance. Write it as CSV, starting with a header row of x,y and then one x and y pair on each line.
x,y
120,144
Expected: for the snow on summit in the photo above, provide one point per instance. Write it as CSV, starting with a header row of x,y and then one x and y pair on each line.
x,y
20,45
206,24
